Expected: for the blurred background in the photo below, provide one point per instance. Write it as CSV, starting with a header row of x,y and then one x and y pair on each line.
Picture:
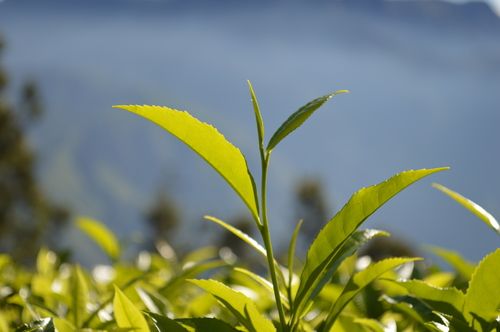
x,y
424,78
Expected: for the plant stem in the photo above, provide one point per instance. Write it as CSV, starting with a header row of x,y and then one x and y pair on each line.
x,y
266,237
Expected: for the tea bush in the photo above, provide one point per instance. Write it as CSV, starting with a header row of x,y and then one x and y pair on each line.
x,y
332,289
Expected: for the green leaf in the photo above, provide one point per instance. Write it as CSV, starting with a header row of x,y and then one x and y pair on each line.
x,y
209,144
41,325
207,325
370,324
249,240
460,264
360,206
63,325
359,281
165,324
153,301
192,271
476,209
316,281
242,235
291,258
126,314
101,235
447,300
242,307
264,283
46,261
418,311
79,296
483,296
4,324
298,118
258,117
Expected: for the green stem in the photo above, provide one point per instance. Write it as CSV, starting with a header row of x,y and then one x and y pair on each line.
x,y
266,236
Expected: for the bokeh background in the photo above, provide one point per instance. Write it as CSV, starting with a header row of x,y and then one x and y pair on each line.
x,y
424,78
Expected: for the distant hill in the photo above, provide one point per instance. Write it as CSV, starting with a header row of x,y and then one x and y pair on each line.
x,y
474,13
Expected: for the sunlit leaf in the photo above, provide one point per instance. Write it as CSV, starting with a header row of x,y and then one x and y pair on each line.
x,y
4,324
63,325
46,261
338,230
420,312
483,295
370,324
323,274
189,272
155,303
240,234
241,306
448,300
359,281
455,260
476,209
165,324
258,116
126,314
266,284
247,239
207,325
101,235
298,118
291,257
207,142
79,296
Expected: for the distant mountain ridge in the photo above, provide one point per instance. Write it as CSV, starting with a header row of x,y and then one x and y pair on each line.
x,y
476,13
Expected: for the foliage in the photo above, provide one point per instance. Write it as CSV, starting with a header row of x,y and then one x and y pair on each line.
x,y
334,289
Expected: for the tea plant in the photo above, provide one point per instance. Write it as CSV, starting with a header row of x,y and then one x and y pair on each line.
x,y
332,290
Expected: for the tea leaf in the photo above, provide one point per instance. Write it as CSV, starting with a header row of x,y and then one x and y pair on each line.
x,y
483,296
370,324
291,257
264,283
316,281
298,118
476,209
79,296
325,249
63,325
460,264
209,144
243,236
165,324
258,117
188,272
241,306
207,325
101,235
126,314
448,300
359,281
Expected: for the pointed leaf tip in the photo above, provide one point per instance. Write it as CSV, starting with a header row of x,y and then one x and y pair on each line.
x,y
258,117
295,120
473,207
